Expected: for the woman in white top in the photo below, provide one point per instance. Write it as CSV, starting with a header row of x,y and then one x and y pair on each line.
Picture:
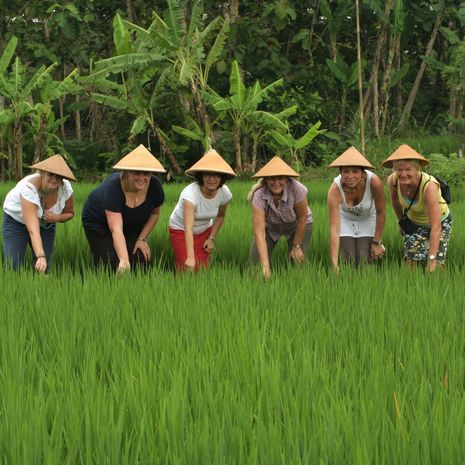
x,y
357,211
31,210
200,212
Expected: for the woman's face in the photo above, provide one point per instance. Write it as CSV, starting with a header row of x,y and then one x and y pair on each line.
x,y
276,184
51,181
138,180
211,181
351,175
407,172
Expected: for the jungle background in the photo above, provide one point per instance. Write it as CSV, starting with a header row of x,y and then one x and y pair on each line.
x,y
92,79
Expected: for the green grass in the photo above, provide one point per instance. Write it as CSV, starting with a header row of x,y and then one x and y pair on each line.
x,y
223,367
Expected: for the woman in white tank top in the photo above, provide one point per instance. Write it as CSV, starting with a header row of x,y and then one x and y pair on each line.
x,y
357,211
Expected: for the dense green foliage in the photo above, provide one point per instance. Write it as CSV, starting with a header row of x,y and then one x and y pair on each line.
x,y
222,367
146,68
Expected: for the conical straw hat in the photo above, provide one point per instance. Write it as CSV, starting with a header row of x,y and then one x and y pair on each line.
x,y
140,159
276,167
404,152
211,162
351,157
55,164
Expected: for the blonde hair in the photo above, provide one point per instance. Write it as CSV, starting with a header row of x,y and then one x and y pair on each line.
x,y
259,184
413,161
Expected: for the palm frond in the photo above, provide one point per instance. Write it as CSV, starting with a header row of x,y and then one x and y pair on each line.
x,y
7,55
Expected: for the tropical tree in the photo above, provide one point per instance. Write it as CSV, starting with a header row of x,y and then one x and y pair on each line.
x,y
241,105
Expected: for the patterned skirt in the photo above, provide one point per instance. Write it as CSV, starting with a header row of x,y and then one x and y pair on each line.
x,y
416,245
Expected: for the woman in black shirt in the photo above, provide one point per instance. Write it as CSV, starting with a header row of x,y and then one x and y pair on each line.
x,y
119,214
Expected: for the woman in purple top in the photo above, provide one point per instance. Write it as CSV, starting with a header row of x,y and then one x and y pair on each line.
x,y
279,208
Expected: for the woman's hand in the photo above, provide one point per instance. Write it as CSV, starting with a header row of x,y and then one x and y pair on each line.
x,y
123,266
143,246
190,263
41,264
377,251
431,266
297,255
51,217
208,245
266,271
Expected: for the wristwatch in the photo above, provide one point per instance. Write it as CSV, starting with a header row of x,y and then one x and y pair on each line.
x,y
431,257
297,246
380,242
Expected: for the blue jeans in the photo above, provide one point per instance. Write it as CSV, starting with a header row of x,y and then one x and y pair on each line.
x,y
16,238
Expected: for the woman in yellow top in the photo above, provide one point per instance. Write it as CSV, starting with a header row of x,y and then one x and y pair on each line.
x,y
419,196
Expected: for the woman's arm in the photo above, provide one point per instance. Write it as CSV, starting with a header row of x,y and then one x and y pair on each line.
x,y
377,250
115,224
434,215
209,244
31,220
301,211
259,226
189,217
141,242
334,199
66,214
394,197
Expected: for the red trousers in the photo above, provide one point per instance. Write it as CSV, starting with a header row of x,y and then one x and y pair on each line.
x,y
178,244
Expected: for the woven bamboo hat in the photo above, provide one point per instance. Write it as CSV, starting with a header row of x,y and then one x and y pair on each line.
x,y
211,162
351,157
140,159
55,164
404,152
276,167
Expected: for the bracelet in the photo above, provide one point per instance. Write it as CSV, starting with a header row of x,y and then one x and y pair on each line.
x,y
140,239
40,256
212,238
377,242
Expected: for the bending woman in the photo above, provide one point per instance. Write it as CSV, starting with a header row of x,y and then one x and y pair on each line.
x,y
119,215
279,209
32,209
200,211
357,211
417,194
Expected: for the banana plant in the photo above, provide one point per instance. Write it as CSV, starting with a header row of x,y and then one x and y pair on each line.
x,y
347,76
291,145
241,105
18,91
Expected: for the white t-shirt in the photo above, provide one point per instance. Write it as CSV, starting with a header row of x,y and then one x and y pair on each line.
x,y
205,209
27,190
359,220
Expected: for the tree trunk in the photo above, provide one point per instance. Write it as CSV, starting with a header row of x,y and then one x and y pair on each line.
x,y
237,146
393,48
77,121
360,89
310,34
203,118
233,10
380,45
18,137
39,141
253,165
416,85
130,11
166,150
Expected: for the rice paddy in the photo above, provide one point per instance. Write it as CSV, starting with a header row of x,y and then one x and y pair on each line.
x,y
222,367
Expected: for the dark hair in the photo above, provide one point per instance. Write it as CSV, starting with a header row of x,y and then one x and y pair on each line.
x,y
361,168
199,177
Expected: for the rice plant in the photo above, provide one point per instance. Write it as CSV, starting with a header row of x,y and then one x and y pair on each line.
x,y
222,367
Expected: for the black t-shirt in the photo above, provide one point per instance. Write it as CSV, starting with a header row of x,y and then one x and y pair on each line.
x,y
110,196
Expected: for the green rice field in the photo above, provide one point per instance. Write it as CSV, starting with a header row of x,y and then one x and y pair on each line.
x,y
224,368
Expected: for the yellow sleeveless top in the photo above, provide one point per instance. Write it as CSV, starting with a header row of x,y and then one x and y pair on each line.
x,y
418,212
